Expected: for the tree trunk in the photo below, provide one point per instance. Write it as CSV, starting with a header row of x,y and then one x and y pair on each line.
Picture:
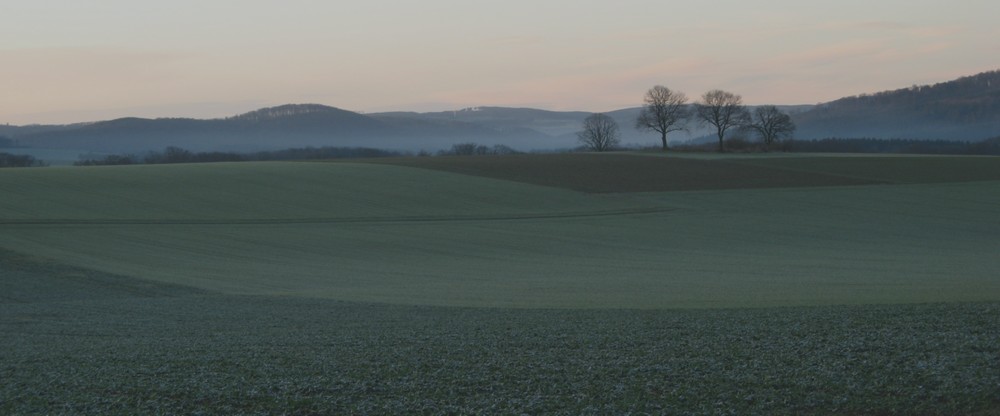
x,y
721,148
663,138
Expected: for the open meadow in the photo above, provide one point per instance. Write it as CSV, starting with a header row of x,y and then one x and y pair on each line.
x,y
577,283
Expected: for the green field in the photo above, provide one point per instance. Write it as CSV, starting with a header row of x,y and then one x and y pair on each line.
x,y
552,283
386,233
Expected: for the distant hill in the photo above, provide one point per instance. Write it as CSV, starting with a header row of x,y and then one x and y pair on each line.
x,y
964,109
552,123
967,108
560,127
293,125
557,127
11,131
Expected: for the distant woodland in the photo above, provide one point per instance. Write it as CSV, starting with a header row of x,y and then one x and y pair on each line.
x,y
964,109
179,155
955,117
872,145
8,160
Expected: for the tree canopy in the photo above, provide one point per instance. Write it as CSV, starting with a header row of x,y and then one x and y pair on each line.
x,y
771,125
664,111
723,110
600,133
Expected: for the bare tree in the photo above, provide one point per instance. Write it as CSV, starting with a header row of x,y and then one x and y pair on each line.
x,y
721,109
664,111
600,133
771,125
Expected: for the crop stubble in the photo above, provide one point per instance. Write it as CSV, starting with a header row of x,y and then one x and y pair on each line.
x,y
104,345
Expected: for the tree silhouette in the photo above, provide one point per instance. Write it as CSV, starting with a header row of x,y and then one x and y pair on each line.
x,y
600,133
771,125
664,111
723,110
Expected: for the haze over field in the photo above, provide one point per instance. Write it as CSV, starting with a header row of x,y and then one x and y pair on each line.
x,y
71,61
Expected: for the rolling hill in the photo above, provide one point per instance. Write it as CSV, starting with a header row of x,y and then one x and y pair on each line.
x,y
293,125
784,284
964,109
967,108
531,230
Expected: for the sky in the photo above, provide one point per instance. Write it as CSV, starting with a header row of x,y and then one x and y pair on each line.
x,y
64,61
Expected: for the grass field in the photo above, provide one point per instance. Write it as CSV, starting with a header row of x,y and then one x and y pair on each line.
x,y
385,233
616,172
572,283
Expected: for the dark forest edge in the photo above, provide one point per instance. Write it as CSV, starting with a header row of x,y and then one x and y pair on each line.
x,y
829,145
864,145
178,155
8,160
832,145
870,145
175,154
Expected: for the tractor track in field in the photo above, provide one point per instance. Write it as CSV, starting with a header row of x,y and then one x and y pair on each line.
x,y
338,220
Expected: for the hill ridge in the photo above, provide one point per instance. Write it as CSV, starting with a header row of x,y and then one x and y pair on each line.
x,y
967,108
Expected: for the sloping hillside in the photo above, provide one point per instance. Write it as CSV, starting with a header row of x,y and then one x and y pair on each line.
x,y
558,127
967,108
277,127
964,109
293,125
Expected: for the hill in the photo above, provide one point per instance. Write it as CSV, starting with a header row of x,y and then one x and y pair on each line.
x,y
785,284
261,129
293,125
557,127
530,231
964,109
967,108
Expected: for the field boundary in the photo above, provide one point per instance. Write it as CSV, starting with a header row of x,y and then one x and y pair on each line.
x,y
638,172
625,173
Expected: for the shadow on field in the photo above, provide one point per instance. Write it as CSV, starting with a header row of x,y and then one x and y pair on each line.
x,y
28,279
624,172
608,173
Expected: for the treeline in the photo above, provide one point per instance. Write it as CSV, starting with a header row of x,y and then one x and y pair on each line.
x,y
8,160
870,145
475,149
175,154
865,145
178,155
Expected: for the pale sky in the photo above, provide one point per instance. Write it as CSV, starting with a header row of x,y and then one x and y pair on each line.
x,y
65,61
